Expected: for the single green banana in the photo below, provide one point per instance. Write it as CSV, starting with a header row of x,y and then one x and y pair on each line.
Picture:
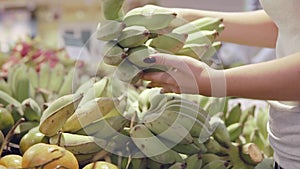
x,y
234,115
97,90
210,157
78,144
44,75
67,85
4,86
86,85
235,130
133,36
112,9
152,147
169,43
193,161
127,72
193,50
205,23
112,53
150,16
202,37
21,84
6,99
109,30
215,46
246,113
214,147
249,128
262,118
217,164
32,110
171,131
33,77
89,112
178,166
220,134
188,149
57,77
54,117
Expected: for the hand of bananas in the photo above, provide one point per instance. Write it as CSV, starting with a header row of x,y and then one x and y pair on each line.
x,y
131,37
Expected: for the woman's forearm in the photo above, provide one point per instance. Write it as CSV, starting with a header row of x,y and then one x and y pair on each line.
x,y
253,28
273,80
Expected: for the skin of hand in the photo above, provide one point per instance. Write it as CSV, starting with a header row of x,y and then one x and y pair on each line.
x,y
278,79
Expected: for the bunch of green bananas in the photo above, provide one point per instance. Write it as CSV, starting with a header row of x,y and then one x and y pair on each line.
x,y
150,29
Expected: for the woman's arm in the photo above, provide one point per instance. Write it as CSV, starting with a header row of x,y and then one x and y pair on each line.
x,y
278,79
253,28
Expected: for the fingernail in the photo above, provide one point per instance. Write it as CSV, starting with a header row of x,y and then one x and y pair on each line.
x,y
149,60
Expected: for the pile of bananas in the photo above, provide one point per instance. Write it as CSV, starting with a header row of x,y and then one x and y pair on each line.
x,y
151,29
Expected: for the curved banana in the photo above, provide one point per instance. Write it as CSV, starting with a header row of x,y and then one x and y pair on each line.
x,y
127,72
234,115
205,23
202,37
112,53
220,134
193,161
215,46
171,131
78,144
109,29
152,147
33,77
214,147
235,130
169,43
86,85
133,36
112,9
21,88
193,50
32,110
57,77
89,112
67,85
54,117
150,16
44,76
4,86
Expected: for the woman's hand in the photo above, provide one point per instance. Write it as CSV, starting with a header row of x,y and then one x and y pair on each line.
x,y
186,75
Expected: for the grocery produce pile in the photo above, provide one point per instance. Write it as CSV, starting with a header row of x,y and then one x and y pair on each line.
x,y
47,121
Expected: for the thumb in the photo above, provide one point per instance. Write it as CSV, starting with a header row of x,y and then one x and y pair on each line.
x,y
165,60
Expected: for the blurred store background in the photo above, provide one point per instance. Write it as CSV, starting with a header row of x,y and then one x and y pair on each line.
x,y
72,23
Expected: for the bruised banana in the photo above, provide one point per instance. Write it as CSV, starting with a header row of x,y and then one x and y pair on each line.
x,y
54,117
193,50
138,54
78,144
174,132
89,112
152,147
32,110
112,53
150,16
109,29
169,43
205,23
112,9
133,36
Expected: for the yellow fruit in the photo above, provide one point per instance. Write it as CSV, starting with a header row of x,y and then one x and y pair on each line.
x,y
48,156
3,167
11,161
6,120
34,136
100,165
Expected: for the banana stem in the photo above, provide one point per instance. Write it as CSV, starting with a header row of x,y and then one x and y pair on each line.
x,y
10,134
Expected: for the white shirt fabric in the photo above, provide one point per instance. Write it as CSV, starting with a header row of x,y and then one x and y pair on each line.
x,y
284,122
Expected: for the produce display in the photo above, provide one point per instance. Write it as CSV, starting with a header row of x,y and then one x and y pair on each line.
x,y
52,117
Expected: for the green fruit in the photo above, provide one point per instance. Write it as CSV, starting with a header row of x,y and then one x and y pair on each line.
x,y
6,120
34,136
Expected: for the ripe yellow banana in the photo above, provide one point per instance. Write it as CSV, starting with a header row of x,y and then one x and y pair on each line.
x,y
112,9
150,16
133,36
169,43
152,147
112,53
193,50
78,144
205,23
54,117
109,29
89,112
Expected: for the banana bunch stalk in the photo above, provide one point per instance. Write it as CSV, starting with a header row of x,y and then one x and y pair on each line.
x,y
143,31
